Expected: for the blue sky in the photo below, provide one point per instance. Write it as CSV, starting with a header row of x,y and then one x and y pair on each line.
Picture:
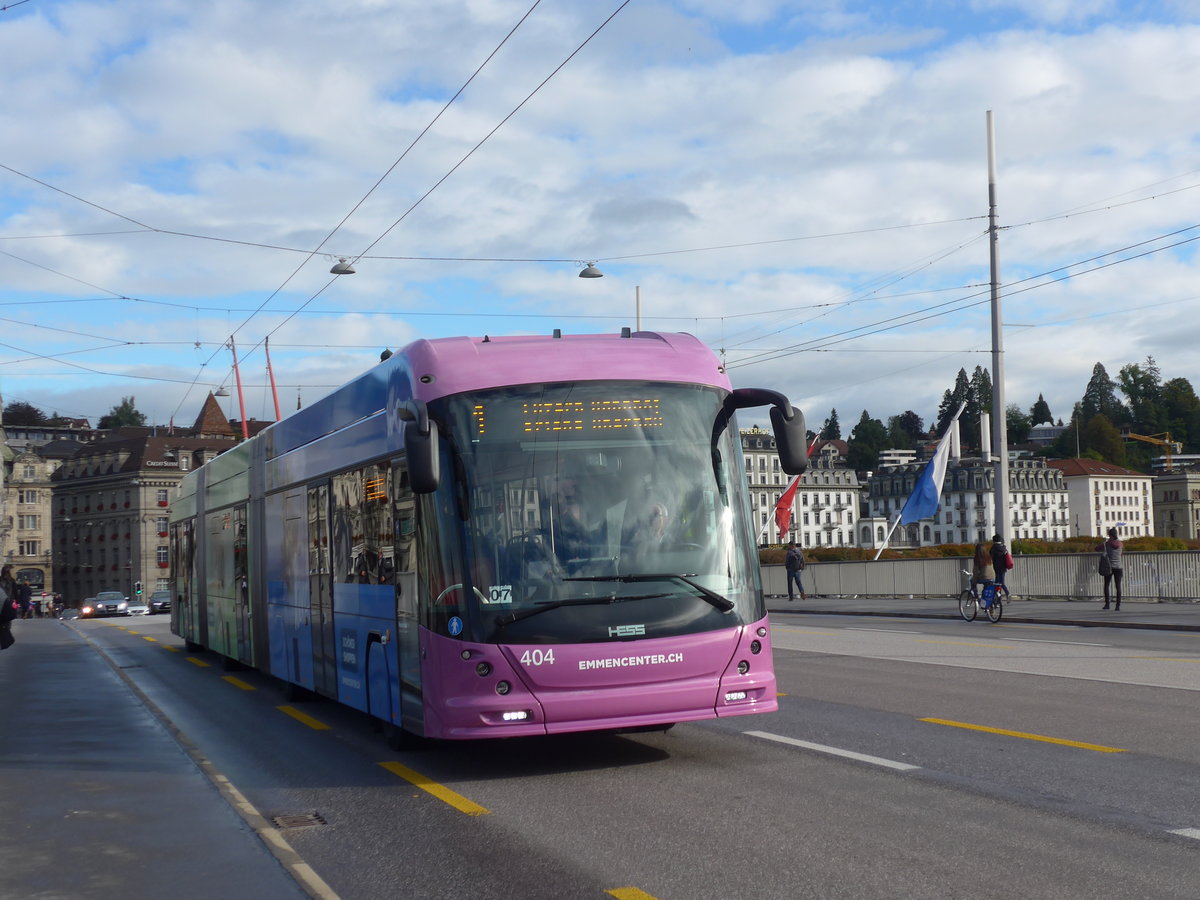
x,y
802,185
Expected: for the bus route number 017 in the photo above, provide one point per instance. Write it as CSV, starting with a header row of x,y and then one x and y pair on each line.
x,y
537,658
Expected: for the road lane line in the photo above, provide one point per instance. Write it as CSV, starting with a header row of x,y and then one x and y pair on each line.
x,y
630,893
238,683
966,643
884,630
197,662
1099,748
1193,833
443,793
834,751
1043,641
146,637
314,724
169,647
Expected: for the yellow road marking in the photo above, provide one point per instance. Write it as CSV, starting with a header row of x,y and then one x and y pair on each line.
x,y
1099,748
197,662
1168,659
169,647
443,793
146,637
130,630
314,724
966,644
630,893
238,683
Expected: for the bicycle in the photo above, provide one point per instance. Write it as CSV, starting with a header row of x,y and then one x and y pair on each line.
x,y
970,602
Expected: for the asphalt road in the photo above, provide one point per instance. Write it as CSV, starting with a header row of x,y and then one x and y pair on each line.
x,y
910,758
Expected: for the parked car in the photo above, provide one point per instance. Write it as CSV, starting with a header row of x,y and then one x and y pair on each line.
x,y
137,607
160,601
110,603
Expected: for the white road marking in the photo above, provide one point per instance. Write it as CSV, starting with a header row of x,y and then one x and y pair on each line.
x,y
1193,833
834,751
1039,641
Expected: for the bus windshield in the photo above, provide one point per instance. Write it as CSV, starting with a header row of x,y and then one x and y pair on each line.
x,y
600,511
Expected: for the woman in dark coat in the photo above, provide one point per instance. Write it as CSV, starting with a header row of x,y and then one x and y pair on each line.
x,y
1113,550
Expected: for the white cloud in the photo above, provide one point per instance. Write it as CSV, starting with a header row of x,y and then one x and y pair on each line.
x,y
679,127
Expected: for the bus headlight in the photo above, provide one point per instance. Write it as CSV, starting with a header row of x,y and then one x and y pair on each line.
x,y
743,667
503,687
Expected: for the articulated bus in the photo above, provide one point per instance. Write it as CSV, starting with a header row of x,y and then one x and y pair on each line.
x,y
493,537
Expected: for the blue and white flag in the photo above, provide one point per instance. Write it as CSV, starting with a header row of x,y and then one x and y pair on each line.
x,y
927,493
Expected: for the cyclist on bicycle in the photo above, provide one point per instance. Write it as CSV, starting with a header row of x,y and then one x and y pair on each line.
x,y
982,569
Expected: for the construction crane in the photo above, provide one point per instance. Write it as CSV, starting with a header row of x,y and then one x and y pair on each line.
x,y
1162,440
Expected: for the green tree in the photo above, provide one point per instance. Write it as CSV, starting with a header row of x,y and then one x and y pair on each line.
x,y
21,413
897,436
1142,387
979,401
1100,439
952,399
1181,408
1018,424
1040,412
867,440
832,430
125,413
1100,398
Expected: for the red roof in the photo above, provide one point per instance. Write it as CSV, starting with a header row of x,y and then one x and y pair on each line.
x,y
1093,467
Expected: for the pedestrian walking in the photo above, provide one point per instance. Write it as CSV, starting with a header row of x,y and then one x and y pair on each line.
x,y
1111,567
1002,561
794,564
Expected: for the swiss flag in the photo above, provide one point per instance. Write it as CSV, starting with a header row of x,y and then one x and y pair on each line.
x,y
783,508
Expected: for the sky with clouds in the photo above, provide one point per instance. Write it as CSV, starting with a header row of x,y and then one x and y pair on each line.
x,y
803,185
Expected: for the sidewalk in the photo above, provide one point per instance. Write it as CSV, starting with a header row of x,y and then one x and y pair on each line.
x,y
1133,614
98,800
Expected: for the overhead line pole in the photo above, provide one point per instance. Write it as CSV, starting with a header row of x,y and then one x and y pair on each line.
x,y
999,411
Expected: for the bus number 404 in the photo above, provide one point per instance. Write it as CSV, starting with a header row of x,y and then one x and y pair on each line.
x,y
537,658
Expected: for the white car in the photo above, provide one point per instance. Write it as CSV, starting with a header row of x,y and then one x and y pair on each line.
x,y
137,607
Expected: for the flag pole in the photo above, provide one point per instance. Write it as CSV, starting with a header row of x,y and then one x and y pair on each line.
x,y
883,546
922,504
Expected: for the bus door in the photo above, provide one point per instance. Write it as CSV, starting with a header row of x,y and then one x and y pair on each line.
x,y
408,639
320,593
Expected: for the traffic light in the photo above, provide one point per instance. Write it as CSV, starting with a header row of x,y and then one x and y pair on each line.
x,y
137,587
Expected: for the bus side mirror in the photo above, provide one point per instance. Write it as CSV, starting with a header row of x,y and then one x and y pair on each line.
x,y
421,447
791,438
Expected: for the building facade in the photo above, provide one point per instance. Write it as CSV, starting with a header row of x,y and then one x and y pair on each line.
x,y
1104,496
112,500
826,503
1176,497
1039,504
25,517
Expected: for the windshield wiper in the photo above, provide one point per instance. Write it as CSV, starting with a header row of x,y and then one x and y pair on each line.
x,y
724,604
502,621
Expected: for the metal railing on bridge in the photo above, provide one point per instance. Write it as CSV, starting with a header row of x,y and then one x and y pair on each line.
x,y
1166,577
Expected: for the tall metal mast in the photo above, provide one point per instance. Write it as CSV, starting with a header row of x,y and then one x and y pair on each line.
x,y
999,413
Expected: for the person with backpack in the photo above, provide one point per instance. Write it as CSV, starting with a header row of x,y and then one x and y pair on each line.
x,y
1002,561
794,563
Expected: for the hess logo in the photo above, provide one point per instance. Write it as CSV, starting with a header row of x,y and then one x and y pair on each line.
x,y
626,630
